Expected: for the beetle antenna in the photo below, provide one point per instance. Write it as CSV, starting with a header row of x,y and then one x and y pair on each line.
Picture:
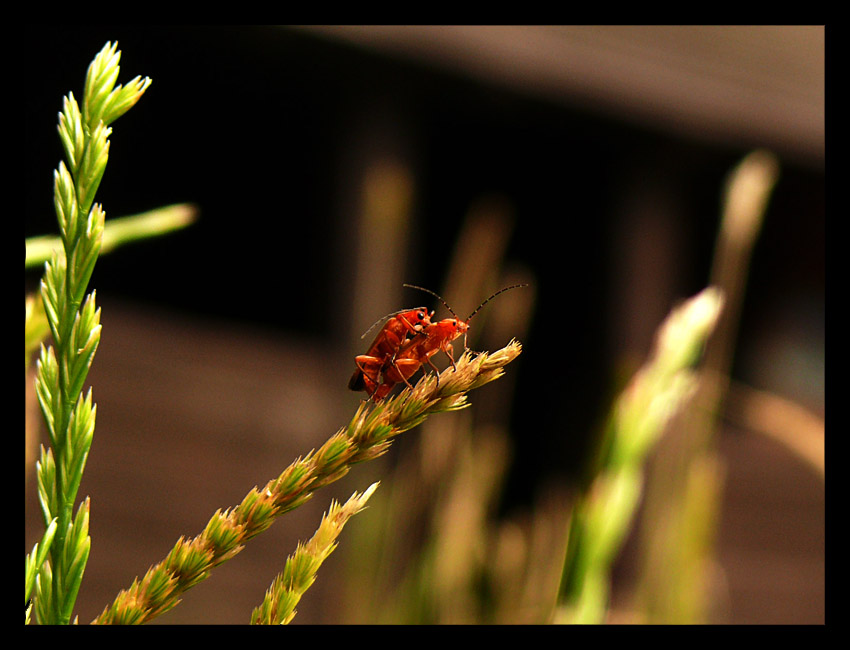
x,y
413,286
383,318
515,286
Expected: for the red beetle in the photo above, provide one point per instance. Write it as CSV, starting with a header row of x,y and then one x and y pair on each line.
x,y
402,326
379,377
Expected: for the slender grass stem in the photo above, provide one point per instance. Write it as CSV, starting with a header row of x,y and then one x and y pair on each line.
x,y
684,492
604,512
74,322
368,435
118,232
278,606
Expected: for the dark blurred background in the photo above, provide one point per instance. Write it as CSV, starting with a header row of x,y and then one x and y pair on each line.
x,y
331,164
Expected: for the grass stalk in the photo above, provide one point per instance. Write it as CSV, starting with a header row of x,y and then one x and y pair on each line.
x,y
118,231
74,323
685,488
278,606
604,511
368,435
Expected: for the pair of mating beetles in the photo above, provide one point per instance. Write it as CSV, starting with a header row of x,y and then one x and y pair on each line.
x,y
407,341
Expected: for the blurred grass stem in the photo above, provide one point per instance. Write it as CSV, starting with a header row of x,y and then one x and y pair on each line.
x,y
119,231
604,511
683,494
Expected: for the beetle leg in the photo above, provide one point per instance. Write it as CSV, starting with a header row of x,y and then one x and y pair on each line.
x,y
370,369
449,350
402,365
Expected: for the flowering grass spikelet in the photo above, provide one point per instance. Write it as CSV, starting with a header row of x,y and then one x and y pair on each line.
x,y
367,435
74,322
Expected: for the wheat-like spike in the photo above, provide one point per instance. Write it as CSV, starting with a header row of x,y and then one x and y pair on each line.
x,y
278,606
74,320
368,435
